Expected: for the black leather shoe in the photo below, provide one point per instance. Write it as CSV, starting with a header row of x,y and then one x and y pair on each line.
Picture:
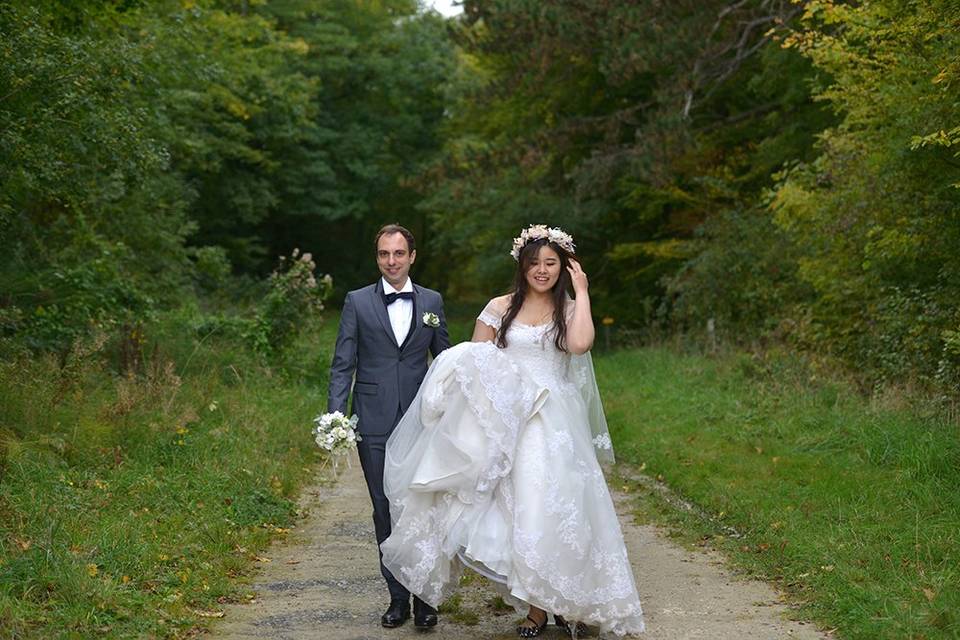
x,y
424,616
396,614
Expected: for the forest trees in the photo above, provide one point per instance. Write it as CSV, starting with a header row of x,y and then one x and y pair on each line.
x,y
148,147
875,214
783,168
632,124
786,169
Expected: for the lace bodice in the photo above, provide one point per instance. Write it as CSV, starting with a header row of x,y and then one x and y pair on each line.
x,y
532,347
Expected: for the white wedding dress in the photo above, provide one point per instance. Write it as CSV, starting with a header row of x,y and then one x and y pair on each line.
x,y
495,466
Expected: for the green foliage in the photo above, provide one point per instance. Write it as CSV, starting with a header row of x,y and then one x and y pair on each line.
x,y
874,214
743,276
229,104
380,69
94,294
629,124
152,148
292,303
285,306
788,170
82,246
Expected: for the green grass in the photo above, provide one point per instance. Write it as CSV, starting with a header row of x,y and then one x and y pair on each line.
x,y
132,506
854,512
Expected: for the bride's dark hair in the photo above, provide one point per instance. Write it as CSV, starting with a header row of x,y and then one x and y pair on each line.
x,y
520,287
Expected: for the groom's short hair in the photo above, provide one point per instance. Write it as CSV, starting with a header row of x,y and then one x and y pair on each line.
x,y
390,229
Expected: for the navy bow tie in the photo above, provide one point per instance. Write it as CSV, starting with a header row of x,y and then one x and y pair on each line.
x,y
390,298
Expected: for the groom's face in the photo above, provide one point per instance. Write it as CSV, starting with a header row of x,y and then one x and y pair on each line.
x,y
394,258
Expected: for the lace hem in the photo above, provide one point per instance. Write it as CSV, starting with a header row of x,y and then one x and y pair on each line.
x,y
594,606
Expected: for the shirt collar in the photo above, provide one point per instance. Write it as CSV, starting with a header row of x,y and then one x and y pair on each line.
x,y
388,288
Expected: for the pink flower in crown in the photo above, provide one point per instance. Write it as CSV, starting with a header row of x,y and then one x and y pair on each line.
x,y
539,231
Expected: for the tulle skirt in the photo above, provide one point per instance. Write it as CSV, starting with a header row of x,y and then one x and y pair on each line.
x,y
491,470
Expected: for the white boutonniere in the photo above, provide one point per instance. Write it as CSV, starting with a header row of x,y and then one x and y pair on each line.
x,y
431,320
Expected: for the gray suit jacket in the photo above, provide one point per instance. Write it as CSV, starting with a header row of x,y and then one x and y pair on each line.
x,y
388,375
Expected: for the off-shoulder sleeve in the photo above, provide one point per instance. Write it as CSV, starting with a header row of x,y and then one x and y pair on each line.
x,y
492,314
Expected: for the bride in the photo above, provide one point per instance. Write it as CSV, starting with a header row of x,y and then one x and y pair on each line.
x,y
495,465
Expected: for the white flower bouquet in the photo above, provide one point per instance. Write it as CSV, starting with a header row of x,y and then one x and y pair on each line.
x,y
336,433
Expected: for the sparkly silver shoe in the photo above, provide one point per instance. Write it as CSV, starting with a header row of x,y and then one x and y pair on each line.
x,y
575,630
532,632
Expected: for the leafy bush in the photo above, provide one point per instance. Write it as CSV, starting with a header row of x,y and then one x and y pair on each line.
x,y
64,302
290,303
293,302
874,215
744,277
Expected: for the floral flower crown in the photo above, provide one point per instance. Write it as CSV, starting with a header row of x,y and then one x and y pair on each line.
x,y
537,232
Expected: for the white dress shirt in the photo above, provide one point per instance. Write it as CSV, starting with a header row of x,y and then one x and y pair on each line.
x,y
401,311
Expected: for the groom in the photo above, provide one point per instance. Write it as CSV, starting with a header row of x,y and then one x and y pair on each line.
x,y
386,330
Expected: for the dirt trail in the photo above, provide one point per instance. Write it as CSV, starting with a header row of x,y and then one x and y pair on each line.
x,y
324,583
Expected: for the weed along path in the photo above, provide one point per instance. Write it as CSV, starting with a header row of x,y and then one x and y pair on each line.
x,y
324,582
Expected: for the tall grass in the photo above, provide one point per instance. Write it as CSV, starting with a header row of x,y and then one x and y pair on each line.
x,y
134,505
854,511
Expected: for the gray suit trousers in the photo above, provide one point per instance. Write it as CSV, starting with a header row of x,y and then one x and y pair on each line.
x,y
372,450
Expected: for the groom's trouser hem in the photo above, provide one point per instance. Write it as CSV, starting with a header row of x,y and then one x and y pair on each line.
x,y
372,451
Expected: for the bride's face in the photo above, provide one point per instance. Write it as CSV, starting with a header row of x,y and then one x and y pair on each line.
x,y
544,270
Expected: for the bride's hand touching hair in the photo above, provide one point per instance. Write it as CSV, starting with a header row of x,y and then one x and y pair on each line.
x,y
578,278
580,329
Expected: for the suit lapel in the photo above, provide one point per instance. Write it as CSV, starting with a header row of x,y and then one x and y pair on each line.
x,y
414,320
380,309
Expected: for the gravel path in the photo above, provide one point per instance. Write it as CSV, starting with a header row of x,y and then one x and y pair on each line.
x,y
324,583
